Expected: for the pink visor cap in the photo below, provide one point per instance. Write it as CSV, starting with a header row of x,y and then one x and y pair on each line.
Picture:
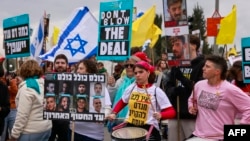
x,y
146,66
140,56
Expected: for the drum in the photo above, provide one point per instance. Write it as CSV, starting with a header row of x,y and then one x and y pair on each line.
x,y
129,134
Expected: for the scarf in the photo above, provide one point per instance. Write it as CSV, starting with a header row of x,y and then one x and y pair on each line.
x,y
31,82
102,70
126,82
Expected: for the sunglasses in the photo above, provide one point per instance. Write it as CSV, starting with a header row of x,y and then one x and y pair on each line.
x,y
129,65
98,103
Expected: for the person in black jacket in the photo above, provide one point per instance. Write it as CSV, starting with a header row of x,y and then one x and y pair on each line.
x,y
60,128
4,102
179,88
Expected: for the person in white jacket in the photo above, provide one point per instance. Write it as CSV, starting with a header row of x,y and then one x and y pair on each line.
x,y
29,124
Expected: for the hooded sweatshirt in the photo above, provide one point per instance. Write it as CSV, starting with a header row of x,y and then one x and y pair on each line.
x,y
29,102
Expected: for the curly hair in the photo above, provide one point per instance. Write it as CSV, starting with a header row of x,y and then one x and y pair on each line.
x,y
90,66
30,68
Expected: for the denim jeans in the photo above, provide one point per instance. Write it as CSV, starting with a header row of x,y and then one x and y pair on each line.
x,y
9,122
43,136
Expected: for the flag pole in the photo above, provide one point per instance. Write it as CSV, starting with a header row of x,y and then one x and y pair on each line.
x,y
46,34
73,131
216,9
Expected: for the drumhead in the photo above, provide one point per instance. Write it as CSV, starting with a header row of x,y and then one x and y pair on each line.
x,y
129,133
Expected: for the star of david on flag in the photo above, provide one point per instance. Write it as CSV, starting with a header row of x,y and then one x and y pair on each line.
x,y
78,38
78,42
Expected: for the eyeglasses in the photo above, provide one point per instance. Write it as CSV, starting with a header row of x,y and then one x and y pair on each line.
x,y
129,65
98,103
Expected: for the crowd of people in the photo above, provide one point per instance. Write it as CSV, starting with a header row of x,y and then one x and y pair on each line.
x,y
193,98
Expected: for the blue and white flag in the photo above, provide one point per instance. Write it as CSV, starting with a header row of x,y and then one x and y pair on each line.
x,y
36,47
78,38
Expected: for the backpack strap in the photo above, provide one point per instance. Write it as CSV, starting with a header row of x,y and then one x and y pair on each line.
x,y
132,89
156,103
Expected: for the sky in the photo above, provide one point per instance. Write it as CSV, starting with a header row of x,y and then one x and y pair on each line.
x,y
60,10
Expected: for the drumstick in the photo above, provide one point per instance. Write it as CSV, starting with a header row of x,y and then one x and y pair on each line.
x,y
149,132
123,124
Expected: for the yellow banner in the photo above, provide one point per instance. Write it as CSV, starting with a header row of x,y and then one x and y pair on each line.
x,y
144,29
138,108
227,28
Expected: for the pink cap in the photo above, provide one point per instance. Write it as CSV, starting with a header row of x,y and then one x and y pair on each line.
x,y
146,66
138,56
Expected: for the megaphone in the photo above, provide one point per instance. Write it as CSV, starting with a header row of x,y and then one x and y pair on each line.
x,y
12,65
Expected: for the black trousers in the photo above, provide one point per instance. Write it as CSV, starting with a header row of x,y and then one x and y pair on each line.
x,y
61,129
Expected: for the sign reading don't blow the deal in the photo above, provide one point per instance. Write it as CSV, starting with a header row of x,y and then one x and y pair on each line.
x,y
115,22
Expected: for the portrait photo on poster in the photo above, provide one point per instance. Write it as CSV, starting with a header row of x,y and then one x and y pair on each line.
x,y
81,97
175,13
97,98
178,47
50,95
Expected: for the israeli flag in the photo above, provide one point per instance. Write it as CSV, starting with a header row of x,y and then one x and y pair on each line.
x,y
36,47
146,45
78,38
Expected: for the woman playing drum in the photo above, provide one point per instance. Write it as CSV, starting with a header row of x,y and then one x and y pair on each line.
x,y
147,103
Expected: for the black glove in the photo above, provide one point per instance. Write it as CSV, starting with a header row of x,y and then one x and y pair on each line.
x,y
179,76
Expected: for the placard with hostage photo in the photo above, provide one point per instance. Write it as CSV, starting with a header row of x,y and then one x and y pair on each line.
x,y
81,97
179,49
65,98
51,93
175,13
97,93
75,97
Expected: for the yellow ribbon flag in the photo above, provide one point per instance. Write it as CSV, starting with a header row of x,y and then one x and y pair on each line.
x,y
55,35
143,29
153,35
232,51
227,28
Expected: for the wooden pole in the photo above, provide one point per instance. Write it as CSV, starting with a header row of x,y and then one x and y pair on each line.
x,y
73,131
178,118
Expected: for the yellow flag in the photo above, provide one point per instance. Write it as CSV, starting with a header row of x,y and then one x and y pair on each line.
x,y
143,29
227,28
55,35
153,35
232,51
